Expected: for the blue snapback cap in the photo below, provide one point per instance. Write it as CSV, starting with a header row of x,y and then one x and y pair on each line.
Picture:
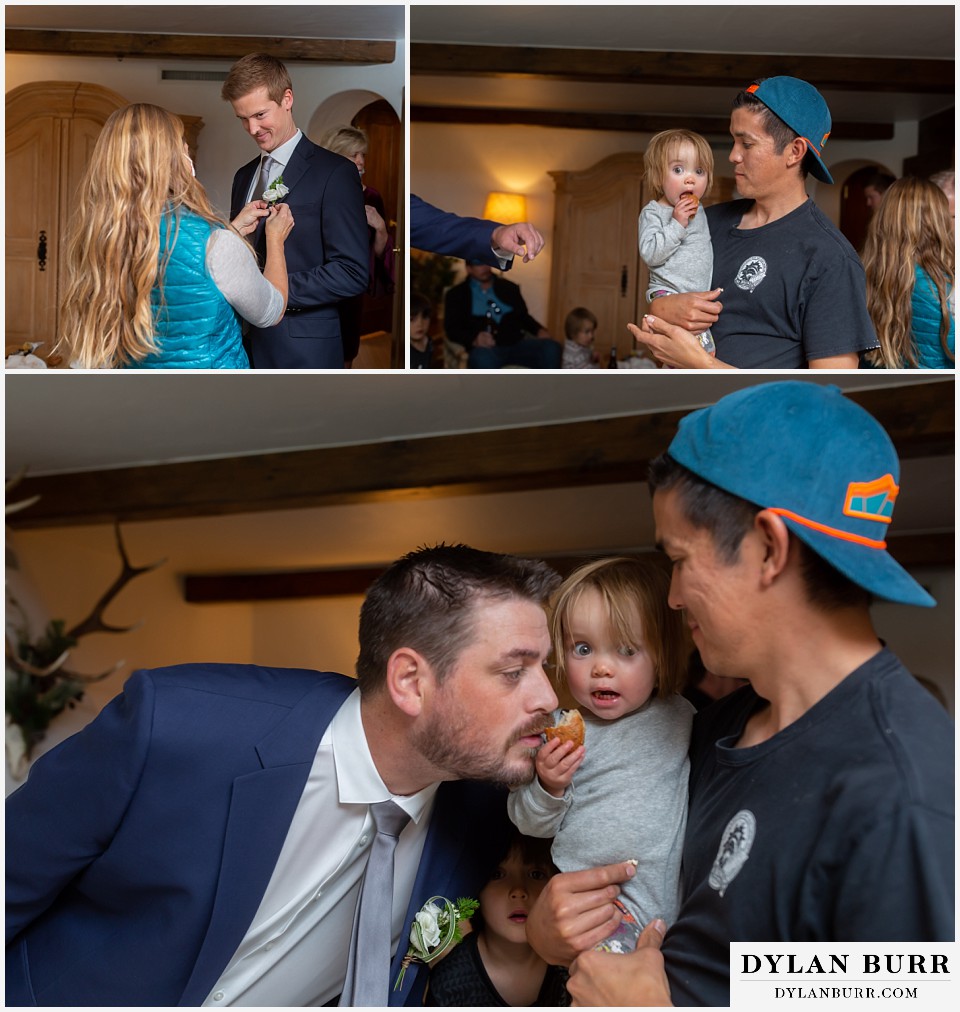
x,y
818,460
804,110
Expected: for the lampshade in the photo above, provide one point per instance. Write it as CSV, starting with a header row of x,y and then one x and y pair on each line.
x,y
506,208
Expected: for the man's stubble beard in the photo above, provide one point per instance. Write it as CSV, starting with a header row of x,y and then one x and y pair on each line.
x,y
446,746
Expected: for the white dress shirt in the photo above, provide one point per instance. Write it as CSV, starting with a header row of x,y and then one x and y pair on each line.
x,y
280,156
295,951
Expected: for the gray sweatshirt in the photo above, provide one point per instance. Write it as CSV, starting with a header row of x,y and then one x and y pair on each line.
x,y
628,800
680,259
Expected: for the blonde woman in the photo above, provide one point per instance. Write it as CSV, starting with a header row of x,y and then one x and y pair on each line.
x,y
351,142
155,277
909,262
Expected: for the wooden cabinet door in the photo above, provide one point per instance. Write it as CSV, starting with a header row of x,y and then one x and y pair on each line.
x,y
32,229
596,259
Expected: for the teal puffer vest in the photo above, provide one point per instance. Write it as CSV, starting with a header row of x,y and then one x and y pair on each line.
x,y
196,327
926,315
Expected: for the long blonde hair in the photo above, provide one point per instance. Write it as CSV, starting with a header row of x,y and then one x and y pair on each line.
x,y
138,170
912,226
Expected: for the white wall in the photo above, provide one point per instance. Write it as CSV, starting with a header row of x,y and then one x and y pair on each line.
x,y
455,166
223,146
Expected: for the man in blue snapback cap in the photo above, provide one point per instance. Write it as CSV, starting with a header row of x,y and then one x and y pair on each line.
x,y
789,290
821,794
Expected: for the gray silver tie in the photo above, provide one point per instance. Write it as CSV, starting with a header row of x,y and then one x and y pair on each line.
x,y
266,171
368,967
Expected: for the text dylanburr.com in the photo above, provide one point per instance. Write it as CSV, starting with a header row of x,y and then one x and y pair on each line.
x,y
922,975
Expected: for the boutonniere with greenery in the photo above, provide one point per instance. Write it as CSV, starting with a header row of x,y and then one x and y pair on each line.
x,y
277,190
434,930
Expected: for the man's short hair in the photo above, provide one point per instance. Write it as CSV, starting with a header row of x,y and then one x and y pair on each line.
x,y
575,320
426,601
880,181
781,133
256,70
728,518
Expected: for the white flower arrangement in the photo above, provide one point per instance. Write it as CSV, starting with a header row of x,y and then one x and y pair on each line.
x,y
277,190
435,929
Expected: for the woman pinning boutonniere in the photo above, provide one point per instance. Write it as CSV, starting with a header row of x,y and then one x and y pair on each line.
x,y
154,277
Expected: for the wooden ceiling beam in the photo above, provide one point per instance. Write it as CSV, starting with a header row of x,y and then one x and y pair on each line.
x,y
910,550
604,451
731,70
709,126
137,45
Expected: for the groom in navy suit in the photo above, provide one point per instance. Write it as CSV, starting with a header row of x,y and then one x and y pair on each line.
x,y
202,841
327,256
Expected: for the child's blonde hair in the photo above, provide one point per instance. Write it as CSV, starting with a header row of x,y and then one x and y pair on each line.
x,y
575,320
662,149
629,587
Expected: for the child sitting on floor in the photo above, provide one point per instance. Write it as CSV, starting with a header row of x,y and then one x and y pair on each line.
x,y
580,328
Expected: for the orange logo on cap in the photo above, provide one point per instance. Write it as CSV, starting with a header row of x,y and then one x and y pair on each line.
x,y
872,500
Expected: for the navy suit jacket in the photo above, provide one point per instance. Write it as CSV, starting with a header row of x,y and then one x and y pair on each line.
x,y
448,234
138,850
327,257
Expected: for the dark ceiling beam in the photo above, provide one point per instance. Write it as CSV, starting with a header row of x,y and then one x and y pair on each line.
x,y
196,47
695,69
604,451
709,126
910,550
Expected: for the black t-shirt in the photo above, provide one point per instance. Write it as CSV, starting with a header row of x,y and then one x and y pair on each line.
x,y
840,828
460,979
793,290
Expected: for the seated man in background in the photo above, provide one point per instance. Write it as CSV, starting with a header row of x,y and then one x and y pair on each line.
x,y
488,316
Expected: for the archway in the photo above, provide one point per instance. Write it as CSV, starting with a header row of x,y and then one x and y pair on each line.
x,y
850,209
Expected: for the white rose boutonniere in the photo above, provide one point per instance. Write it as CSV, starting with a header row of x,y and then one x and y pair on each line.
x,y
435,929
276,190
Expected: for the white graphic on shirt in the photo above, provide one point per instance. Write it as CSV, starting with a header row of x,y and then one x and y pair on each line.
x,y
734,850
752,271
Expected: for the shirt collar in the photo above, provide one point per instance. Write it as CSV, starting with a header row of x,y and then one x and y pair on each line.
x,y
281,155
358,781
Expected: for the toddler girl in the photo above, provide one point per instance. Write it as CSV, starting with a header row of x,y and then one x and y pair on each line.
x,y
674,235
494,965
622,795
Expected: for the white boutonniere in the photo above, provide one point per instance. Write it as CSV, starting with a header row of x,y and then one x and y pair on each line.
x,y
276,190
434,930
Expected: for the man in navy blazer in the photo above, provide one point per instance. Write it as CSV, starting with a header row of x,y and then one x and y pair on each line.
x,y
146,854
327,255
437,231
